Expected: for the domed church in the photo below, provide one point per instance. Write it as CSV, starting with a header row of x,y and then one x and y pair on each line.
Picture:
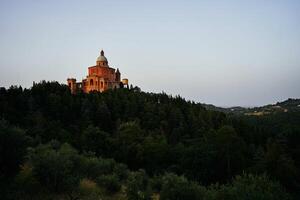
x,y
100,77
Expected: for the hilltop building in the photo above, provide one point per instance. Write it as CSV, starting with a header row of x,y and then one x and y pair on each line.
x,y
100,77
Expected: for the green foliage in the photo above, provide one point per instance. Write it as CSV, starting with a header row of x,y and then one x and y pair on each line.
x,y
130,138
231,150
55,167
277,163
178,187
59,169
13,144
95,140
154,153
110,182
26,183
137,186
88,190
249,186
79,140
121,171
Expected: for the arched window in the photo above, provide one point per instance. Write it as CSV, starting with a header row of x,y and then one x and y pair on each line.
x,y
101,84
91,82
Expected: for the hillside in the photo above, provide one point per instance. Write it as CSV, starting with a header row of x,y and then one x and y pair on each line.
x,y
289,105
128,144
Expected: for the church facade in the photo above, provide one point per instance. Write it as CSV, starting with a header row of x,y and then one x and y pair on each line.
x,y
100,77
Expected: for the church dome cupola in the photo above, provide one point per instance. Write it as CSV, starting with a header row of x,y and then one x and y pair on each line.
x,y
101,60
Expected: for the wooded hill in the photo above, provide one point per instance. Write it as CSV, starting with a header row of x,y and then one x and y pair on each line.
x,y
128,144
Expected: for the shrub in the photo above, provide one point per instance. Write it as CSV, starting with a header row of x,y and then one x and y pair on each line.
x,y
110,182
248,186
178,187
137,186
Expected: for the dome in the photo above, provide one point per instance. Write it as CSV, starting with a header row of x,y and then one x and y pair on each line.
x,y
102,58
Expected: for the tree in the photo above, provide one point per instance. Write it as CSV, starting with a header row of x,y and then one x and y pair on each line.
x,y
54,166
27,186
231,150
110,182
178,187
13,144
137,186
130,140
154,153
95,140
276,162
248,186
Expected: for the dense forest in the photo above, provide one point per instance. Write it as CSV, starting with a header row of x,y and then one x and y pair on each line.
x,y
128,144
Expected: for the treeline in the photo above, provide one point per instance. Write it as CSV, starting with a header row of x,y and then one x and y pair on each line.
x,y
128,144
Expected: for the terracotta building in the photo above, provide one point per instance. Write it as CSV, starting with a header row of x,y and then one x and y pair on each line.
x,y
100,77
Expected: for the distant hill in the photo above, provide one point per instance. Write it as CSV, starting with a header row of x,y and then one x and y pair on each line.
x,y
289,105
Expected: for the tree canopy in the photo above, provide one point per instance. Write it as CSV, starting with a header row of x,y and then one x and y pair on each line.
x,y
129,144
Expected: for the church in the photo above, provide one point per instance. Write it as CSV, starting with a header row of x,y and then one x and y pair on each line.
x,y
100,77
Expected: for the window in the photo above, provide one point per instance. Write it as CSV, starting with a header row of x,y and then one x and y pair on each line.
x,y
91,82
101,84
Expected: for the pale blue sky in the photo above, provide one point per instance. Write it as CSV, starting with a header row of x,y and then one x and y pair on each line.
x,y
224,52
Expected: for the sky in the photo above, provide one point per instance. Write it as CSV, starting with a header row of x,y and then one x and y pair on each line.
x,y
221,52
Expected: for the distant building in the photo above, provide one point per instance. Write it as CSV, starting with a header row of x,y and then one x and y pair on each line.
x,y
100,77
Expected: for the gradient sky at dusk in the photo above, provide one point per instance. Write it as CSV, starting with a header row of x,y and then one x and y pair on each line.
x,y
224,52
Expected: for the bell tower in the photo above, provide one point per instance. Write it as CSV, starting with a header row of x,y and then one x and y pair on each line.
x,y
72,85
118,75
